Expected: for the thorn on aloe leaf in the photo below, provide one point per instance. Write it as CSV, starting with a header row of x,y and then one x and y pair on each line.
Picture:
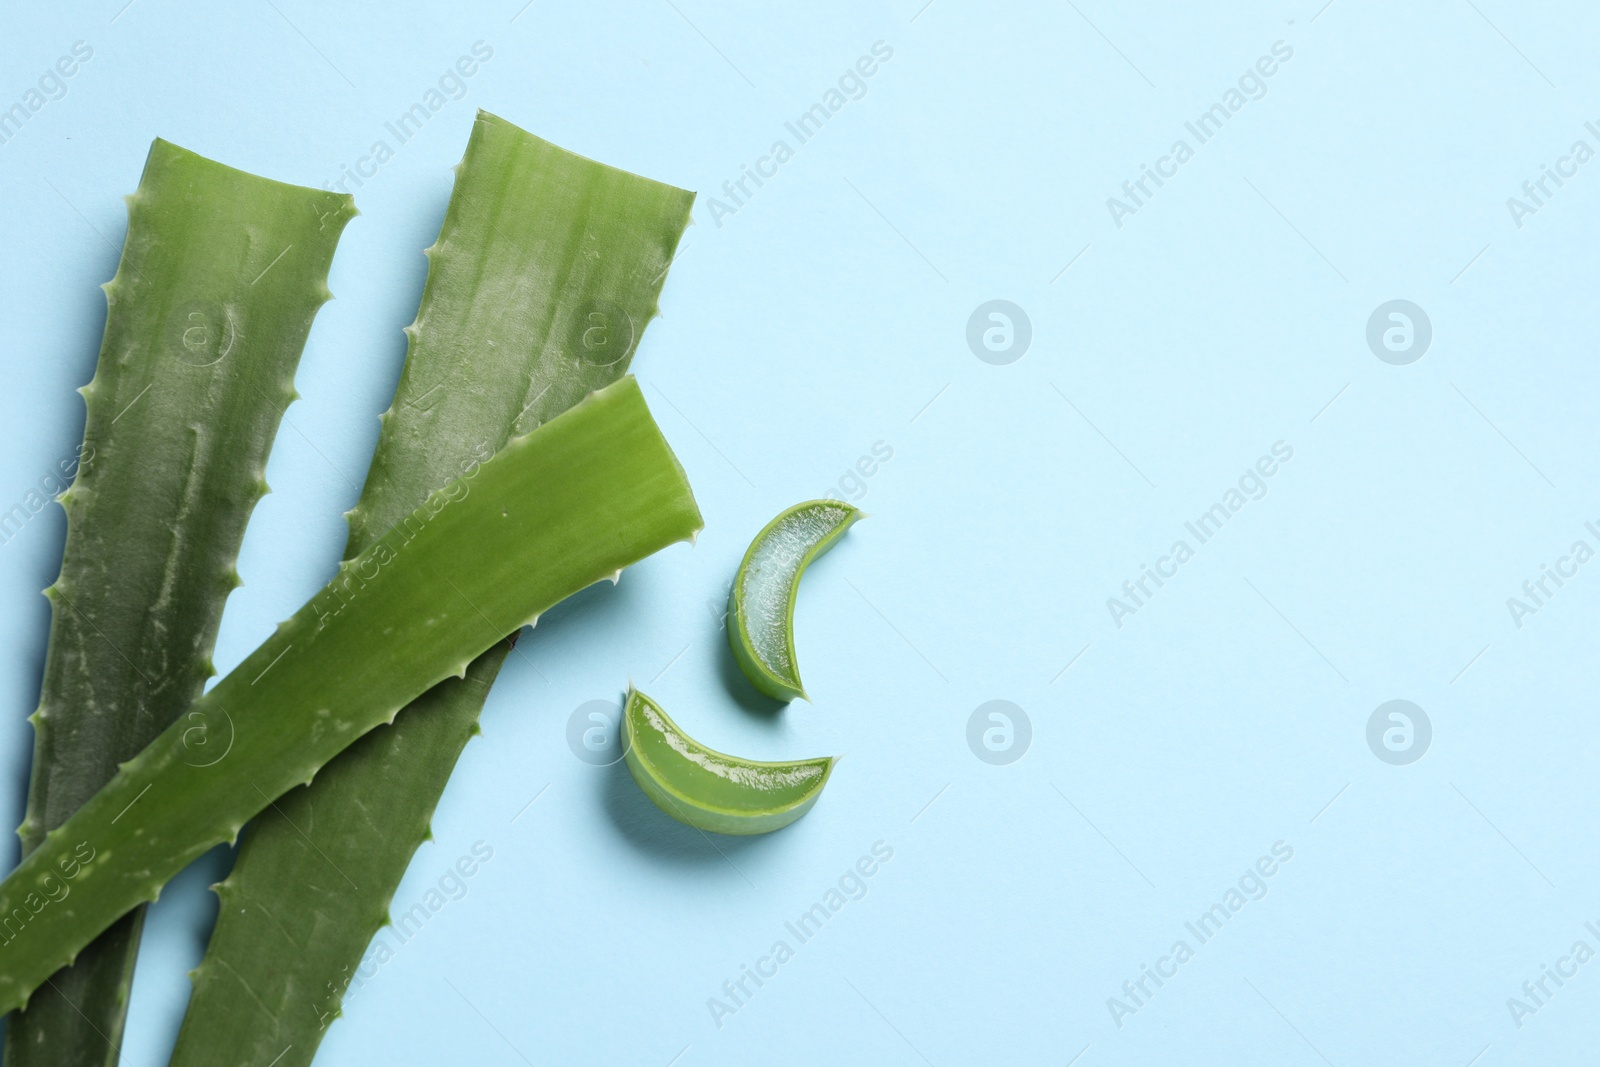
x,y
194,232
633,226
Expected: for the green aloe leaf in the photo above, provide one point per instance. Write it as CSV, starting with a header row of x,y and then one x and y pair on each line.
x,y
545,273
585,495
712,790
761,602
221,275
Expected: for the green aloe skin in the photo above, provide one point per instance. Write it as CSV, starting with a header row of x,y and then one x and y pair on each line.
x,y
712,790
761,602
590,492
221,276
546,270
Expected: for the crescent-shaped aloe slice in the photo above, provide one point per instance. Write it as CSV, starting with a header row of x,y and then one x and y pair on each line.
x,y
545,273
712,790
585,495
761,603
221,275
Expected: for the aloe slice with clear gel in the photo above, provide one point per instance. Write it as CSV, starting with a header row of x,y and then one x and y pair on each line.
x,y
761,603
711,790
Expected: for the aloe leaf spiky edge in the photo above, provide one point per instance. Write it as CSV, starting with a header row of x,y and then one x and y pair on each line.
x,y
563,240
221,275
585,495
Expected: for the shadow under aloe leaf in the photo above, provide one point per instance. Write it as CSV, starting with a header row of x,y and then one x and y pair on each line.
x,y
741,689
587,615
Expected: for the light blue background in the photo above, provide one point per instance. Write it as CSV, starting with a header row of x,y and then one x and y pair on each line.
x,y
829,313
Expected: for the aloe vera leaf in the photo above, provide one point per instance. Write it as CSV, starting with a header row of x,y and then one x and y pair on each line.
x,y
712,790
583,496
536,242
761,602
221,275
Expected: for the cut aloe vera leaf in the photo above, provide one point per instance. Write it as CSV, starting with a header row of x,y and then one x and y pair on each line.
x,y
761,603
712,790
546,270
585,495
221,275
